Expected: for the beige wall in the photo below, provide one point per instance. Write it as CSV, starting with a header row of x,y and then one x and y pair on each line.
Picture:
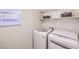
x,y
20,36
70,24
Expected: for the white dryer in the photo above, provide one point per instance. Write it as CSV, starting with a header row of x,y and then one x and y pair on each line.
x,y
40,38
61,39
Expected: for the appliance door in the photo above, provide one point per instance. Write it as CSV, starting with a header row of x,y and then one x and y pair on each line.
x,y
53,45
64,42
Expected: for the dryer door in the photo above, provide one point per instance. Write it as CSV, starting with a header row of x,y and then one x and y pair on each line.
x,y
53,45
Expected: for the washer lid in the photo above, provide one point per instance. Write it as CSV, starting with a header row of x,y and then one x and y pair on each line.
x,y
42,29
66,34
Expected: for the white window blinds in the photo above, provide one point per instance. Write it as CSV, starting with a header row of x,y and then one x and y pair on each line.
x,y
10,17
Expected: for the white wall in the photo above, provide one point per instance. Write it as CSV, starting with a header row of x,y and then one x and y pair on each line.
x,y
20,36
70,24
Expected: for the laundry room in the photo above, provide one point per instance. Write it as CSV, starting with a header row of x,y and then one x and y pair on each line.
x,y
39,28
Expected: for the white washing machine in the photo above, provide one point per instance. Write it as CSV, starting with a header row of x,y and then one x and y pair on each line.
x,y
40,38
61,39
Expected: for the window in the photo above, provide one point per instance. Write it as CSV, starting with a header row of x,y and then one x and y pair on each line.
x,y
9,17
